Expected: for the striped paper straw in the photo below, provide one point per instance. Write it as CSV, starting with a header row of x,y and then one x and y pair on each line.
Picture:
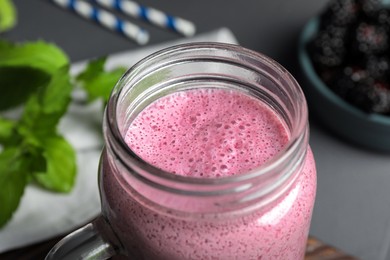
x,y
106,19
150,15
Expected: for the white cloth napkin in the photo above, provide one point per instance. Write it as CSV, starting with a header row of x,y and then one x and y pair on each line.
x,y
42,214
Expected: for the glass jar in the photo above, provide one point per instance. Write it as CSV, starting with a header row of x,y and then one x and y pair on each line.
x,y
148,213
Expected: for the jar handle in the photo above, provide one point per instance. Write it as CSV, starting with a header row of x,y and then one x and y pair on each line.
x,y
92,241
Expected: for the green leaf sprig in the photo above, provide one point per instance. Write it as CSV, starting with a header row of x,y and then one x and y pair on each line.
x,y
95,79
35,75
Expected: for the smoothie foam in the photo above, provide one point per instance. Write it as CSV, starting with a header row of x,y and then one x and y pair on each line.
x,y
198,134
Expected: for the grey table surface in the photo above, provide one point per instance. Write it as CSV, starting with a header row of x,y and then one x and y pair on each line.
x,y
352,209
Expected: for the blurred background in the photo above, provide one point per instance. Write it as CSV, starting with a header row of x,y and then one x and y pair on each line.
x,y
352,210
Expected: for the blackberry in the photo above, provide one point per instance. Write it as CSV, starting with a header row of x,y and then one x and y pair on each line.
x,y
371,8
361,97
370,39
356,73
356,86
347,79
340,13
328,48
342,85
378,67
383,18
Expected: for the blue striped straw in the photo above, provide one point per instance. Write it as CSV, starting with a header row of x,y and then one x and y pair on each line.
x,y
106,19
150,15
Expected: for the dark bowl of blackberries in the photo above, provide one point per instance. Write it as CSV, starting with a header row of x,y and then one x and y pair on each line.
x,y
344,54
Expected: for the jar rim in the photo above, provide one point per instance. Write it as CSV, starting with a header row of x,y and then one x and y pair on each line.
x,y
295,145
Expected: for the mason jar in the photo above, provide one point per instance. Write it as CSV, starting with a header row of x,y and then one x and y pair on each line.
x,y
151,213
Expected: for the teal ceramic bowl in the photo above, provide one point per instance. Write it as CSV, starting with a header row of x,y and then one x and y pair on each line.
x,y
351,124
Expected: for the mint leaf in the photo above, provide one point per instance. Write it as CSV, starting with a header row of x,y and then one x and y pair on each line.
x,y
37,75
39,55
96,81
18,83
61,167
7,15
26,67
93,68
38,127
56,96
45,108
38,161
13,179
35,124
6,129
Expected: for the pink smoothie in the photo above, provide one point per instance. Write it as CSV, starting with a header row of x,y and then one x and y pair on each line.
x,y
211,134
